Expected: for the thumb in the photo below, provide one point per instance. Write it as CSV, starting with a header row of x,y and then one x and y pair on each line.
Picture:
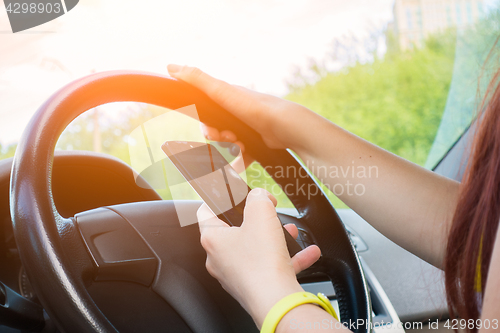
x,y
260,208
207,219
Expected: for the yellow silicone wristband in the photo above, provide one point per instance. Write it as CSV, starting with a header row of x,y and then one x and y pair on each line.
x,y
280,309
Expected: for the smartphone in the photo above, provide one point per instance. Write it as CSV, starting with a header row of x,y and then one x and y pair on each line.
x,y
215,181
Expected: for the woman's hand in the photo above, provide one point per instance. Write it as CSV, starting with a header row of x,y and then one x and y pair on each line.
x,y
265,113
243,160
252,262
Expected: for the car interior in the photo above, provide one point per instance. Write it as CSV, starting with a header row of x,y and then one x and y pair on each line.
x,y
89,244
92,205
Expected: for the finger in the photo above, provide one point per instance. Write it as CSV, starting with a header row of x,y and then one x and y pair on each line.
x,y
260,194
234,149
210,133
305,258
292,230
209,225
227,136
217,90
207,219
259,209
248,159
238,164
241,145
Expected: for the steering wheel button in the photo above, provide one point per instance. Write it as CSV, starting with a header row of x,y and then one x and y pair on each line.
x,y
118,251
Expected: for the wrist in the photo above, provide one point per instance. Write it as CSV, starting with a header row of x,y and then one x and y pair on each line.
x,y
293,125
261,301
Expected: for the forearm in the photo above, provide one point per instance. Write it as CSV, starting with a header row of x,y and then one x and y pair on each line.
x,y
407,203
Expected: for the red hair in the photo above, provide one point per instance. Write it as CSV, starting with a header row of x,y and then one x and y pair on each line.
x,y
474,227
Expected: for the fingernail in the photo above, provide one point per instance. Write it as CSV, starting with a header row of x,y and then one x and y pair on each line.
x,y
234,150
204,213
173,68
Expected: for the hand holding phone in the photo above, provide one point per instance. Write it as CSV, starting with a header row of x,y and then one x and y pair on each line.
x,y
215,181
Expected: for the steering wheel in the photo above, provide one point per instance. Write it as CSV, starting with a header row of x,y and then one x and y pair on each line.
x,y
141,245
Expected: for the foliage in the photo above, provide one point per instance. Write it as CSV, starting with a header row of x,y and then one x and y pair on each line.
x,y
7,151
395,102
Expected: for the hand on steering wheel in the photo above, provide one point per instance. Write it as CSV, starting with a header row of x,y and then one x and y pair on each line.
x,y
261,112
251,262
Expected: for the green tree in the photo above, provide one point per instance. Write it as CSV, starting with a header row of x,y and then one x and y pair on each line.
x,y
395,102
7,151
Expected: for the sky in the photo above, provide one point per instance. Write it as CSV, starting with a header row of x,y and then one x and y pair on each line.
x,y
256,44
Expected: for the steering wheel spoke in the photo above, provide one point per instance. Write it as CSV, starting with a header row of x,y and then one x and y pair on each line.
x,y
144,243
117,250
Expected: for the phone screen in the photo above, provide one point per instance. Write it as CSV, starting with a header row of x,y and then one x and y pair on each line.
x,y
215,181
212,177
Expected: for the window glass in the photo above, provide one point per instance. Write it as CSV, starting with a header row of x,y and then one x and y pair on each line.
x,y
401,74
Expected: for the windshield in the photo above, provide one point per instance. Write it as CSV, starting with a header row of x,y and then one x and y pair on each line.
x,y
401,74
476,59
